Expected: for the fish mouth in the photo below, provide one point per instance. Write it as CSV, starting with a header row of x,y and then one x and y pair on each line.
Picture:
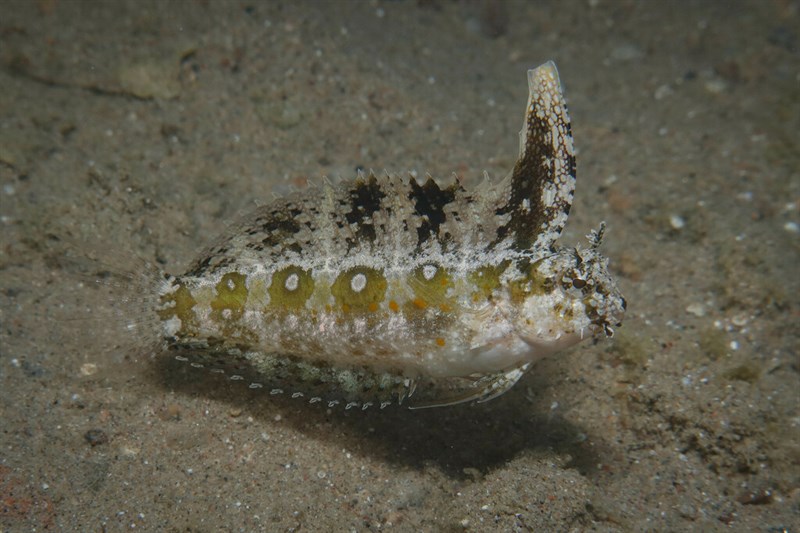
x,y
543,347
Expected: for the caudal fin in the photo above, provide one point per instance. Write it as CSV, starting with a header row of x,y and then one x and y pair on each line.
x,y
112,297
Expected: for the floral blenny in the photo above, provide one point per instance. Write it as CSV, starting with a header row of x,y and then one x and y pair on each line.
x,y
384,290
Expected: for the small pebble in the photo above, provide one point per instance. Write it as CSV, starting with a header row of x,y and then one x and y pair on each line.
x,y
662,92
739,320
696,309
96,437
153,79
88,369
677,222
716,86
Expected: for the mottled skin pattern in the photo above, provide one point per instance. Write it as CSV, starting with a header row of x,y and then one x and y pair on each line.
x,y
368,290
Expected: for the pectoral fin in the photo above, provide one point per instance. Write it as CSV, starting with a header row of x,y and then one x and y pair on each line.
x,y
482,390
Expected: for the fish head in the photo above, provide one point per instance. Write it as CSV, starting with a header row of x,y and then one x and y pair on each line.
x,y
563,298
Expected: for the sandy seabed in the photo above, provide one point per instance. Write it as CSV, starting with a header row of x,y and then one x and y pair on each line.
x,y
143,128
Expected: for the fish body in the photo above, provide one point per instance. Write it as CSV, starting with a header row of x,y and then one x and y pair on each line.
x,y
383,288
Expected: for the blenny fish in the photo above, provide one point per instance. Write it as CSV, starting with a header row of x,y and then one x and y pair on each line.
x,y
382,289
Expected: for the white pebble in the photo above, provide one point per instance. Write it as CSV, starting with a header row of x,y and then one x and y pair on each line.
x,y
676,221
696,309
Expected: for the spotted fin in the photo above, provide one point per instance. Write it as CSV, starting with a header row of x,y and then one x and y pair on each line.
x,y
542,183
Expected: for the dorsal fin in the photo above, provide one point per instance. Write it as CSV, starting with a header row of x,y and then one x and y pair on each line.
x,y
540,188
430,202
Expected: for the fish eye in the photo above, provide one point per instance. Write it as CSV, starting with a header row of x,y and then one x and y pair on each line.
x,y
578,283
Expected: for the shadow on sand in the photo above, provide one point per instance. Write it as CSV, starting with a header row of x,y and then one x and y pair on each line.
x,y
458,439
